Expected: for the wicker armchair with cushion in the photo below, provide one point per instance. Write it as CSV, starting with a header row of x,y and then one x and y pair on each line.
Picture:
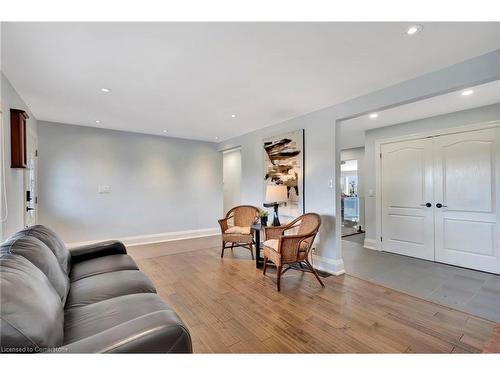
x,y
292,249
240,233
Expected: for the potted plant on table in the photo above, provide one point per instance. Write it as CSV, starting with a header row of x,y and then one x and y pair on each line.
x,y
263,217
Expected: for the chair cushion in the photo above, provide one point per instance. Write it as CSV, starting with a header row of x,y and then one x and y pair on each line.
x,y
108,285
53,242
96,266
273,244
238,230
42,257
88,320
31,314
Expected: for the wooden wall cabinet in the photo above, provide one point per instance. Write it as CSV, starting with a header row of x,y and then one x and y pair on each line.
x,y
18,156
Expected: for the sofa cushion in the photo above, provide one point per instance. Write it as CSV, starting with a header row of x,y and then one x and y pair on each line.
x,y
238,230
32,315
54,243
96,266
85,321
108,285
42,257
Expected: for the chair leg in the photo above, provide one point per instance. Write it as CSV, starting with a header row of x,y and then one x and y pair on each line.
x,y
278,272
315,273
223,247
251,251
265,265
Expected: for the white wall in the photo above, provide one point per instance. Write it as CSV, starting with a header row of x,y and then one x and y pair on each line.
x,y
14,178
358,154
322,144
448,121
157,184
231,178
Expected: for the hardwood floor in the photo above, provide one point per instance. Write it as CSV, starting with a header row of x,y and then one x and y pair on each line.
x,y
230,307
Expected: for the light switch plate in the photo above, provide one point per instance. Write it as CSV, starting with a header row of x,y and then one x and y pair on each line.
x,y
103,189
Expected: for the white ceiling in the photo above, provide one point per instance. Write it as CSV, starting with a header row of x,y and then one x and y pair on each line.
x,y
189,78
353,131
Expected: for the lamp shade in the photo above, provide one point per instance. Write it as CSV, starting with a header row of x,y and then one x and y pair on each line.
x,y
276,193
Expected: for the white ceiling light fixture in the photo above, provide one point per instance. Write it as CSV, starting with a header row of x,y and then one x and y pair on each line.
x,y
373,115
233,116
97,121
467,92
105,89
216,138
414,29
164,131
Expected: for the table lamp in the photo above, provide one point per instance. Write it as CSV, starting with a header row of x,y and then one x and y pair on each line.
x,y
276,194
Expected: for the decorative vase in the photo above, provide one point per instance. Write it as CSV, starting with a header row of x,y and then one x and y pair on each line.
x,y
263,220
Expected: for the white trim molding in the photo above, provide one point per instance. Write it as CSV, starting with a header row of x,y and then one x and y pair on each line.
x,y
370,243
333,266
156,237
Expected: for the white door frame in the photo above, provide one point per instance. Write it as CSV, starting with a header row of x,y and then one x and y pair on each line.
x,y
2,171
378,165
31,134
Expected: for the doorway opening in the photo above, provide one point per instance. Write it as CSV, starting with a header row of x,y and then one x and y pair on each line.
x,y
231,177
431,197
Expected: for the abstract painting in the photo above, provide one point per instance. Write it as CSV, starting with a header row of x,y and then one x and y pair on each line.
x,y
284,165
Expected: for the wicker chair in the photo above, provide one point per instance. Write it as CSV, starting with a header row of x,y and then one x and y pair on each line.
x,y
292,249
240,234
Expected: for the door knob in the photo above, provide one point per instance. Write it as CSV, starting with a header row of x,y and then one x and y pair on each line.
x,y
439,205
426,204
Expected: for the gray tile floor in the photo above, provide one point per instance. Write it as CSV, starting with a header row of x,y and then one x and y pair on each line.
x,y
474,292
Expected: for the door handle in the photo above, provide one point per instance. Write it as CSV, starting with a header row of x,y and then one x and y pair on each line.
x,y
29,209
426,204
439,205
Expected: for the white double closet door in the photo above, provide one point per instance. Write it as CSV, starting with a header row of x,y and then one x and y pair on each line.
x,y
439,198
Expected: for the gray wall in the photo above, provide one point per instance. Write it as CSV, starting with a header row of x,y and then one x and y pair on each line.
x,y
157,184
448,121
322,144
14,178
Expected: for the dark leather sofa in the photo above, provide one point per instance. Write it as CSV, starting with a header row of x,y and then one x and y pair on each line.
x,y
90,299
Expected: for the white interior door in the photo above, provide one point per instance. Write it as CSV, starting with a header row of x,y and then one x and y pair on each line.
x,y
467,166
407,187
231,170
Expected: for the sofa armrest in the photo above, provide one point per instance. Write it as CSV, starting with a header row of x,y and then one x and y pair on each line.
x,y
97,250
157,332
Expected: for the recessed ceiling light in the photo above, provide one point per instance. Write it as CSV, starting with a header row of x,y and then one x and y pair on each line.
x,y
373,115
467,92
233,116
216,138
104,89
414,29
164,131
97,121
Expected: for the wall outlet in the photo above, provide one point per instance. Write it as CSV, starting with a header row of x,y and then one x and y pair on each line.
x,y
103,189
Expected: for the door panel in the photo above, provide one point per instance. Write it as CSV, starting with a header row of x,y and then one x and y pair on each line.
x,y
406,176
466,227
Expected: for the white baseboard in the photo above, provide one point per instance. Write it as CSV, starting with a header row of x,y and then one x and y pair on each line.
x,y
333,266
370,244
157,237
